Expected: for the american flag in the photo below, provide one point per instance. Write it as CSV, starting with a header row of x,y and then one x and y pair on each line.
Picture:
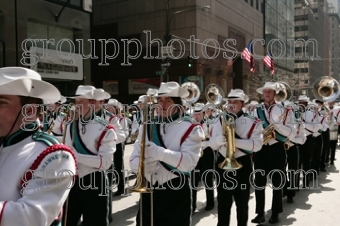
x,y
269,62
246,54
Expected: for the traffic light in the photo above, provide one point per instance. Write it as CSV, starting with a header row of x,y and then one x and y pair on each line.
x,y
189,61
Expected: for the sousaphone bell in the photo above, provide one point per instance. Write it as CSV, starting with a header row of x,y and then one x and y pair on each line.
x,y
326,89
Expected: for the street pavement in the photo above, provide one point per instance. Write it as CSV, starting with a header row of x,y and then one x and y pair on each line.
x,y
311,207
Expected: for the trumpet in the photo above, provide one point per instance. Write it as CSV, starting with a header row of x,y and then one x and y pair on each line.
x,y
228,130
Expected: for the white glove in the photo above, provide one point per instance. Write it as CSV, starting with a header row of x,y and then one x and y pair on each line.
x,y
153,151
150,165
220,140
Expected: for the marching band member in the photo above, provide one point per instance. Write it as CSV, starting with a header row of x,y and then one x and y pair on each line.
x,y
115,107
333,129
101,110
29,195
94,142
318,156
207,160
248,140
314,141
293,152
272,156
172,154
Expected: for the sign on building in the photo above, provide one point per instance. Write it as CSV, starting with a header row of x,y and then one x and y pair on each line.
x,y
53,65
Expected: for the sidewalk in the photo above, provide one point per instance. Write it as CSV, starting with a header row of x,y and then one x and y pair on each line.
x,y
313,207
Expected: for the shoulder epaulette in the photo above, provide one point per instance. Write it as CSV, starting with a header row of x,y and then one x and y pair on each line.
x,y
187,118
250,116
46,138
101,120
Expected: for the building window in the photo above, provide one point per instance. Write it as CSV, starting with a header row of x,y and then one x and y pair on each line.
x,y
252,3
45,31
257,4
246,1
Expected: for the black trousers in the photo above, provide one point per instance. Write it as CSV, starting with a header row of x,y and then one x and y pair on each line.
x,y
234,187
306,154
325,149
317,151
269,159
171,206
332,146
205,163
118,159
292,183
89,198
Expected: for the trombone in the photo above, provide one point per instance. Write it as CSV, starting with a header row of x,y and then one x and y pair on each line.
x,y
141,183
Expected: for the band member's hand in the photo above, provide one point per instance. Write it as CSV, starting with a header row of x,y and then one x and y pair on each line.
x,y
154,151
150,165
220,140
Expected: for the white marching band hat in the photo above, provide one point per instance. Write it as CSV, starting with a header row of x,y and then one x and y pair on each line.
x,y
85,92
237,94
269,85
115,103
253,102
172,89
303,98
141,99
100,94
62,100
198,107
21,81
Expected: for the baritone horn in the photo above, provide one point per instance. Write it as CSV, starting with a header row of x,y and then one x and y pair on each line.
x,y
326,89
194,92
285,92
214,94
228,130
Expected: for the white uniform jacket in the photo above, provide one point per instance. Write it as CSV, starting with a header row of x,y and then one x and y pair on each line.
x,y
113,120
276,114
124,122
36,178
310,120
136,121
182,156
248,135
301,131
323,124
94,143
